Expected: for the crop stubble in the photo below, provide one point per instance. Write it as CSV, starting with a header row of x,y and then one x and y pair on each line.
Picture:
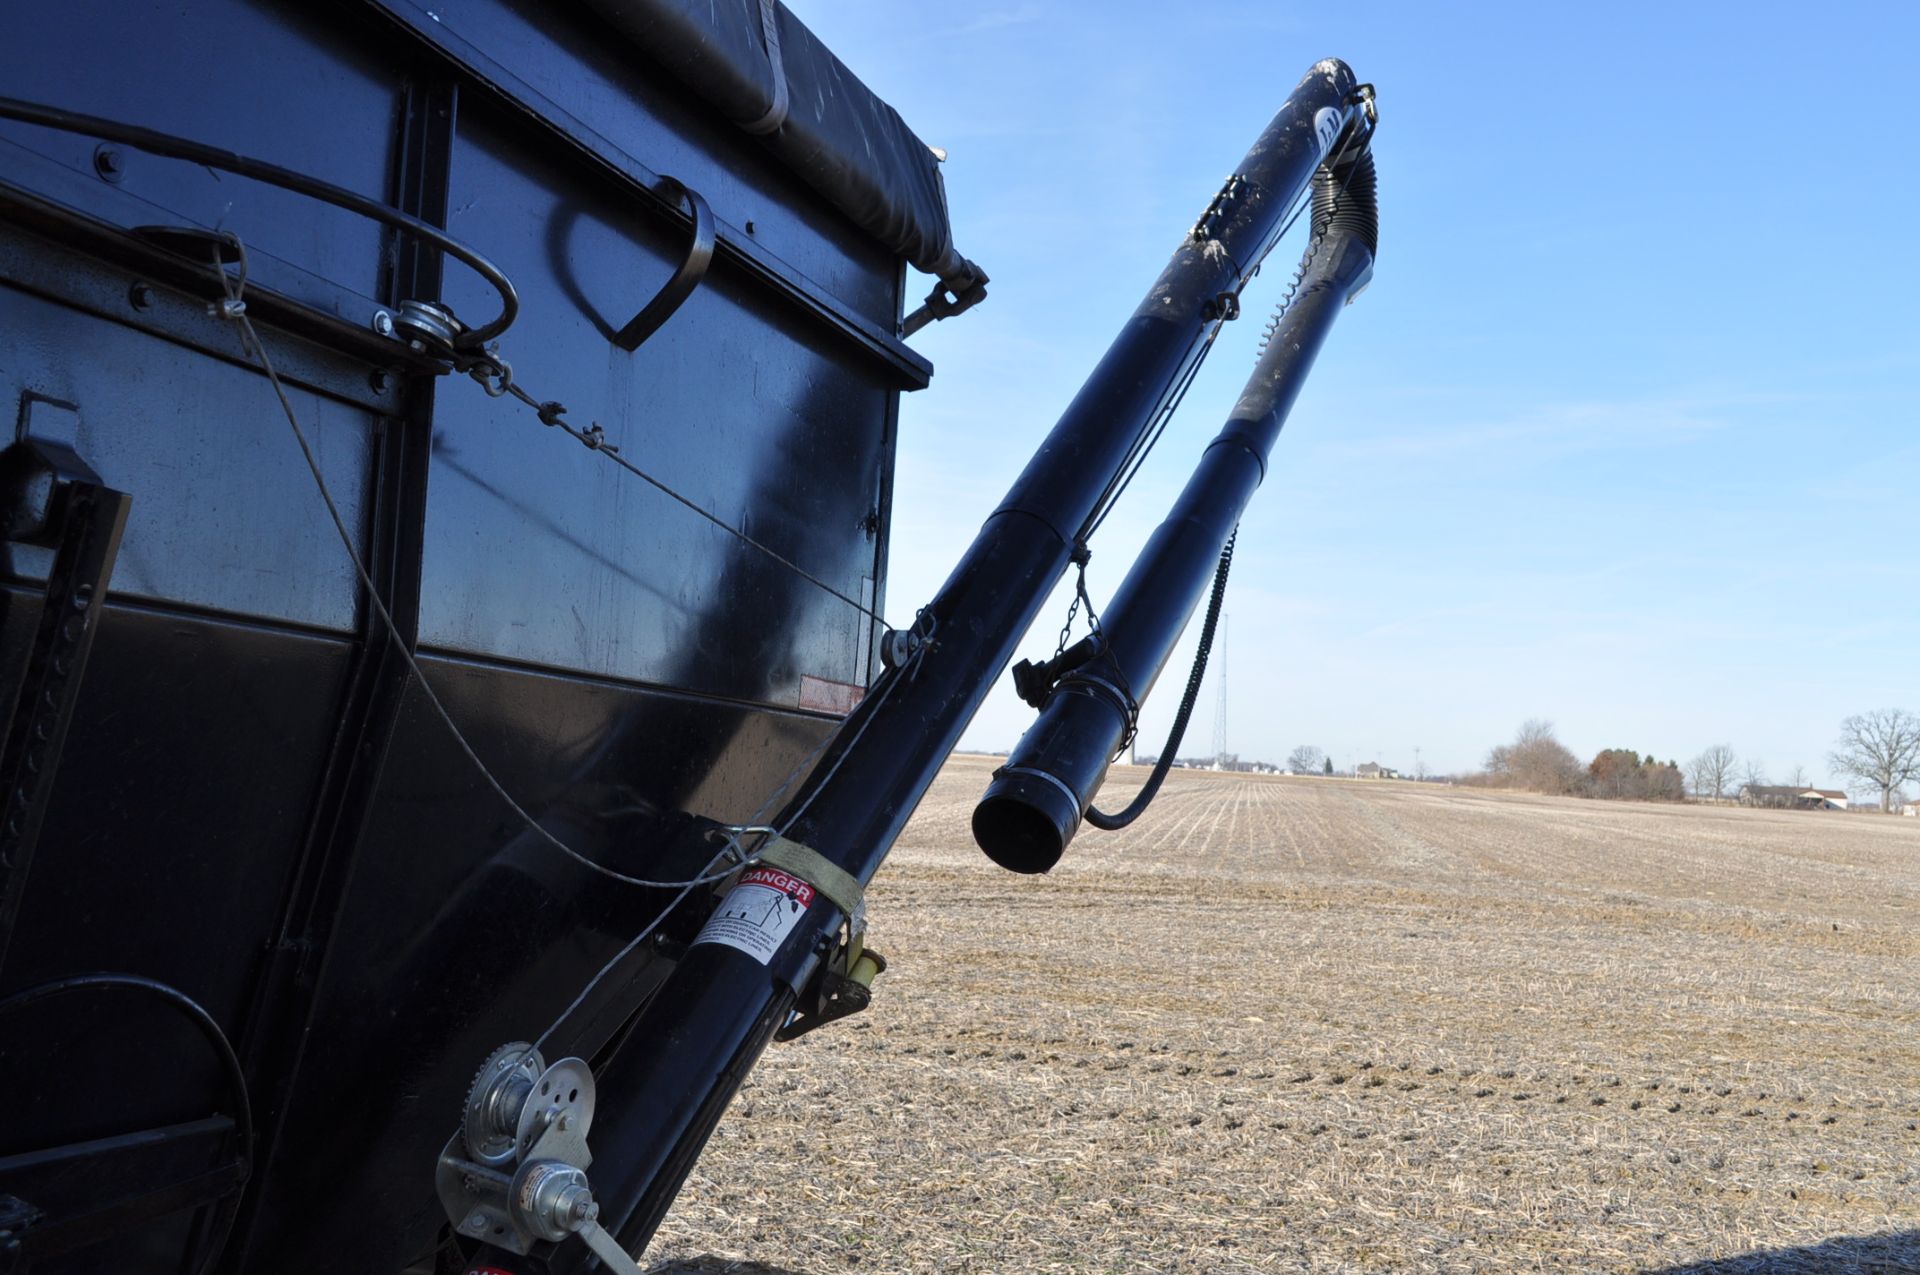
x,y
1303,1024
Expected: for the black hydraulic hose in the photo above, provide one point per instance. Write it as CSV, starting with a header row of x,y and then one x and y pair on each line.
x,y
170,147
1145,796
222,1047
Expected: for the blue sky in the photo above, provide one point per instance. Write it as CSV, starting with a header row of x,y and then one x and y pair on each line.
x,y
1623,435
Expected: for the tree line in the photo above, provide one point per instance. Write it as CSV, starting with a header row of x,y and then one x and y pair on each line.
x,y
1879,750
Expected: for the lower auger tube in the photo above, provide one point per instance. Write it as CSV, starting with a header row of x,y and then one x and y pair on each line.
x,y
1037,800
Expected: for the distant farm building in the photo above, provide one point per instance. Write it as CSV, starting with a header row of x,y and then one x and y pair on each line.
x,y
1789,797
1374,770
1911,809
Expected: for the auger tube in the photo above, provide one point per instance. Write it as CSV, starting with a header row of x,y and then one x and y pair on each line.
x,y
1036,801
694,1042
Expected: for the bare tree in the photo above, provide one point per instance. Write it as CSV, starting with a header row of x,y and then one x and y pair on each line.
x,y
1881,748
1712,771
1797,777
1305,760
1535,760
1754,773
1697,776
1664,782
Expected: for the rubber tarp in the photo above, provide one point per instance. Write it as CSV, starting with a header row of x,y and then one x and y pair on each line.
x,y
762,68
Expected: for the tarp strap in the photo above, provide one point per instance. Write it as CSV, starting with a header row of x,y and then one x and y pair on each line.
x,y
770,35
841,887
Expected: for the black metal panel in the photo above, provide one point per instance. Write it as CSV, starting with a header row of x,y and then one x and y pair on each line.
x,y
462,931
154,1178
124,278
224,72
736,403
184,788
255,804
225,515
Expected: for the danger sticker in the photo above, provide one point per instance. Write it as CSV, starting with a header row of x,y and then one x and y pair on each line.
x,y
759,913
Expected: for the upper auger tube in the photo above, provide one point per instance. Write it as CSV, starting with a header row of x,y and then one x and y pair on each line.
x,y
1037,800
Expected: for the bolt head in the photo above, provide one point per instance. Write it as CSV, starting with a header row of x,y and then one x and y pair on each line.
x,y
383,323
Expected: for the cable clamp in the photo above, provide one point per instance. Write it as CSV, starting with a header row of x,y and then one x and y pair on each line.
x,y
493,374
1362,96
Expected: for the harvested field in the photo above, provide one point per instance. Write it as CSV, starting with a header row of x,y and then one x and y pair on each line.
x,y
1317,1025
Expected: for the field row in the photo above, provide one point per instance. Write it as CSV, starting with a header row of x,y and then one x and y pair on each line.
x,y
1318,1025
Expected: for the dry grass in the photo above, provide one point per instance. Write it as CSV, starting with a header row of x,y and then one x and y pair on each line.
x,y
1311,1025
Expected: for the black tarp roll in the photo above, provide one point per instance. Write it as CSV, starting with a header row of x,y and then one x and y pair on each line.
x,y
779,80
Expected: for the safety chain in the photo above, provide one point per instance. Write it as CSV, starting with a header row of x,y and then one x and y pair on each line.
x,y
1116,679
1080,557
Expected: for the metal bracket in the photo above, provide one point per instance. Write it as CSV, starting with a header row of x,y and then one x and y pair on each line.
x,y
1225,307
844,988
1235,189
30,1238
693,268
948,298
51,498
1035,682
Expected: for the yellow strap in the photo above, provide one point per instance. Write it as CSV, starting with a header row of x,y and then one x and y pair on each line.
x,y
841,887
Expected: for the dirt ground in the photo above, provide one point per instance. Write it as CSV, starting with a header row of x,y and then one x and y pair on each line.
x,y
1322,1025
